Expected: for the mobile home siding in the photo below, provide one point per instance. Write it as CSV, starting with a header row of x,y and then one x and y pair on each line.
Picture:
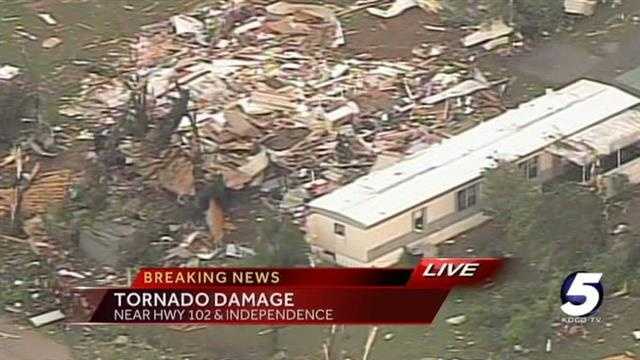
x,y
357,242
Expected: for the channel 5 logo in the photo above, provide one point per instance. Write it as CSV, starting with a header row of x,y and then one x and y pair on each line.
x,y
581,294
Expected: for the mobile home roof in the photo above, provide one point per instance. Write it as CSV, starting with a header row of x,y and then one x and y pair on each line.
x,y
443,167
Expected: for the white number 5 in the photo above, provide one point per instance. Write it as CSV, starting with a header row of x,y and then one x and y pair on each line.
x,y
582,285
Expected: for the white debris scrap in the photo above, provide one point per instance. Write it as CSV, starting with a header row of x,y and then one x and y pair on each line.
x,y
457,320
48,19
466,87
387,71
225,67
5,335
69,273
8,72
256,164
339,70
51,42
395,9
232,251
400,6
187,25
492,44
487,32
252,25
350,108
46,318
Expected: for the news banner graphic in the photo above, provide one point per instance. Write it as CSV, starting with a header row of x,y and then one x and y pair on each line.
x,y
284,296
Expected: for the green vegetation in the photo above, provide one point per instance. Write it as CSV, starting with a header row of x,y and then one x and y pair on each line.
x,y
533,16
511,200
458,12
552,230
528,16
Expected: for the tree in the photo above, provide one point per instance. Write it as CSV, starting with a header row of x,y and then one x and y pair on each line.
x,y
552,233
511,200
571,221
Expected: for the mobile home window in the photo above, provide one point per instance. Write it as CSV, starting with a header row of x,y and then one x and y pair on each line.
x,y
419,219
530,167
467,197
339,229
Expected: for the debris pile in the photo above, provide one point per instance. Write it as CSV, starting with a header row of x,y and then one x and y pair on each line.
x,y
271,94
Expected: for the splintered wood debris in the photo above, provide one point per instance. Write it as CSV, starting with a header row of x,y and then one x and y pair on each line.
x,y
268,97
45,190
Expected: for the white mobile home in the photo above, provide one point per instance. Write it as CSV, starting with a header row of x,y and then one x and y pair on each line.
x,y
433,195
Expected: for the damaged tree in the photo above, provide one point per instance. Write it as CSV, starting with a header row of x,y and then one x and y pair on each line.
x,y
159,138
137,120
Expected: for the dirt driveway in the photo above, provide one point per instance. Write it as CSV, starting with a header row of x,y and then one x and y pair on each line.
x,y
30,345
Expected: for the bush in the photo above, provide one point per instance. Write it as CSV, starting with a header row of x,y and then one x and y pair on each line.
x,y
511,200
529,16
620,187
534,16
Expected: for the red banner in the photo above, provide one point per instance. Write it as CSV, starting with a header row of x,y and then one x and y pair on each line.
x,y
285,296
